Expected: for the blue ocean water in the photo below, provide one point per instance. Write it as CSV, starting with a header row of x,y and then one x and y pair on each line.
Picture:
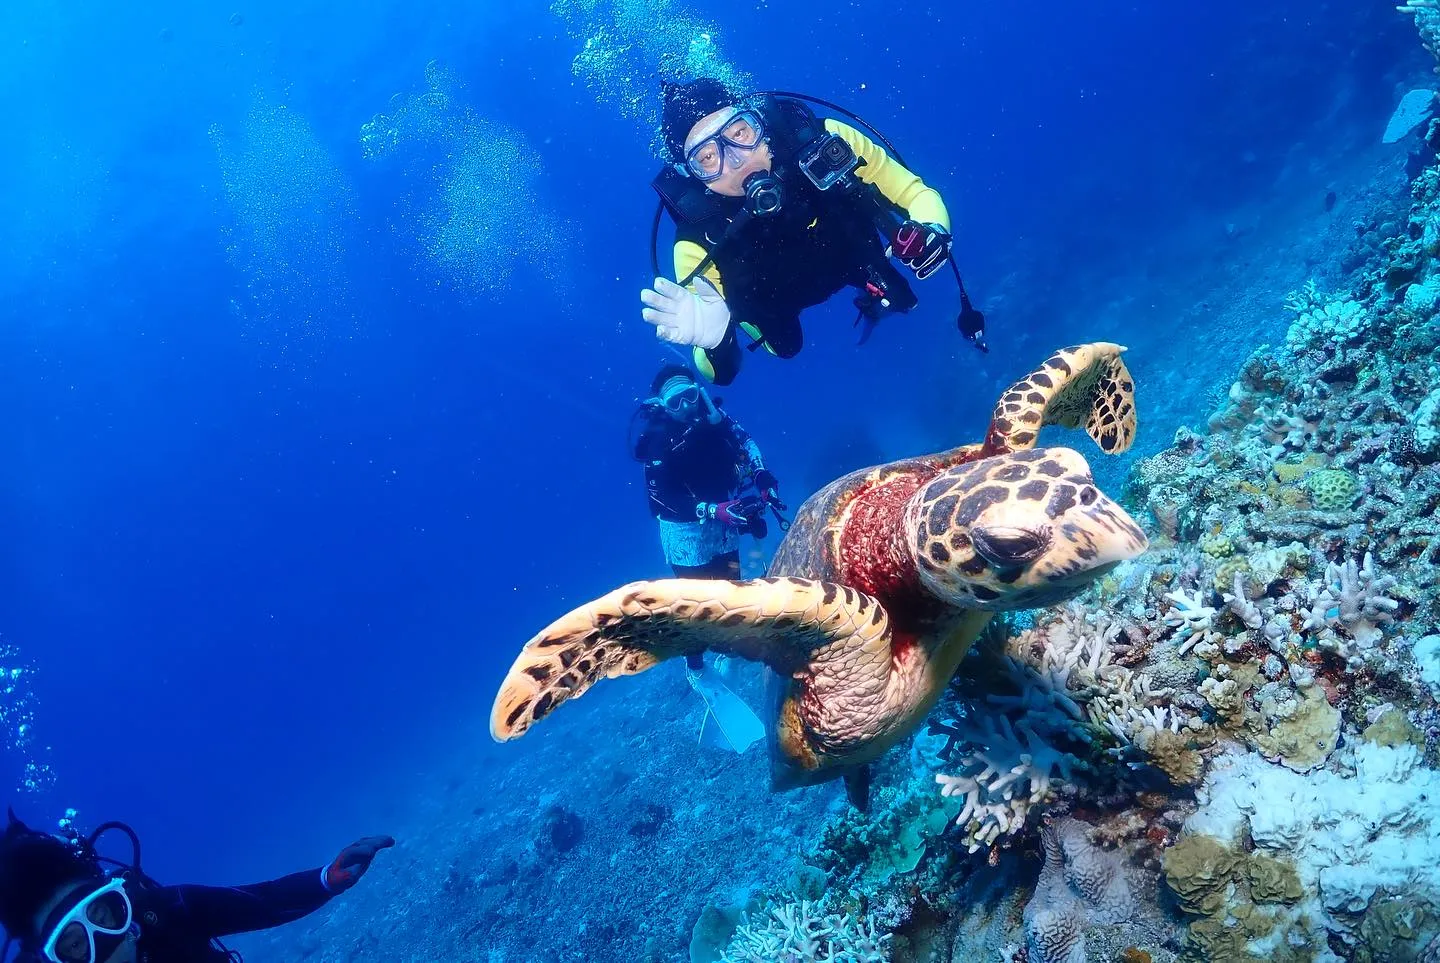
x,y
306,432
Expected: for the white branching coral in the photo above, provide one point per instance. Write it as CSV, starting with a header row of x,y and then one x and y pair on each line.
x,y
1006,771
1239,604
1193,619
1305,300
1009,748
803,933
1267,618
1283,429
1352,600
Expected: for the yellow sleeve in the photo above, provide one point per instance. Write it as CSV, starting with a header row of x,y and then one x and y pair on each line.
x,y
902,188
688,256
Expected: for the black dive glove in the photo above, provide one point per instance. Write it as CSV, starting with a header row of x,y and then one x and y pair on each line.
x,y
924,248
769,487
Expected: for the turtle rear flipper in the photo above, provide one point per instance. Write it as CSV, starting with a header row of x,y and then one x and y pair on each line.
x,y
1084,385
857,788
792,625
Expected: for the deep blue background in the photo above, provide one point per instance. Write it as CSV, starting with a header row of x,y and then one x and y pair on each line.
x,y
264,588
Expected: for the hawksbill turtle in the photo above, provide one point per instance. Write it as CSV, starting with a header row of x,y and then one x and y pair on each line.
x,y
883,581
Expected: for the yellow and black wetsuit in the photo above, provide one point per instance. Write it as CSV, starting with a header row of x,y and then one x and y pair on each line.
x,y
820,242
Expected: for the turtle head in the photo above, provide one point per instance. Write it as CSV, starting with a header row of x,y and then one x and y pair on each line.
x,y
1017,530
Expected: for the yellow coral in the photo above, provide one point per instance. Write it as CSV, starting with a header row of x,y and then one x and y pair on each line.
x,y
1393,728
1300,735
1217,545
1288,473
1173,753
1293,498
1226,571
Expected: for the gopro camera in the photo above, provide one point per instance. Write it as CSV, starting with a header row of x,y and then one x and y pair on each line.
x,y
828,161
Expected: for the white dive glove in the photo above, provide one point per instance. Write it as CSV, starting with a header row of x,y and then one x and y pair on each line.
x,y
681,317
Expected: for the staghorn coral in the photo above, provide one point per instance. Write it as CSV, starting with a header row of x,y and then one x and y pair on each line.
x,y
1009,748
801,932
1006,770
1346,610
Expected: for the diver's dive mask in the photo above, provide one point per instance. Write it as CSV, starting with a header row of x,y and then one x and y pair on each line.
x,y
677,400
91,929
743,132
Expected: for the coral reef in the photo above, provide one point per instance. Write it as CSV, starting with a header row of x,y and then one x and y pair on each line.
x,y
1051,698
1088,900
800,932
1342,845
1227,750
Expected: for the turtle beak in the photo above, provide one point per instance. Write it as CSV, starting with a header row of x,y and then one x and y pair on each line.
x,y
1006,547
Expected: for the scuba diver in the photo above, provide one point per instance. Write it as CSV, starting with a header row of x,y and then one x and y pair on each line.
x,y
776,211
698,460
61,905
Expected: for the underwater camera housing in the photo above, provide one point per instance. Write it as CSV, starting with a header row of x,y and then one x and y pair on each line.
x,y
827,161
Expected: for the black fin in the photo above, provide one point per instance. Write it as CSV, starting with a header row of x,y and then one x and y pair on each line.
x,y
857,788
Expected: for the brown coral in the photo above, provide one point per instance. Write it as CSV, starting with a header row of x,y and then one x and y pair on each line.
x,y
1197,870
1173,753
1300,735
1272,881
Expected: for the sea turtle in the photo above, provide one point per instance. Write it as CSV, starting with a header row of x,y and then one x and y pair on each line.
x,y
881,584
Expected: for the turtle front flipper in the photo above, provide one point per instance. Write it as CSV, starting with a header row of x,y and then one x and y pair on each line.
x,y
1084,385
834,635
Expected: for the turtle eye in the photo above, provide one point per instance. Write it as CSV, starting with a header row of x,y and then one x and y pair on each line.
x,y
1010,547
